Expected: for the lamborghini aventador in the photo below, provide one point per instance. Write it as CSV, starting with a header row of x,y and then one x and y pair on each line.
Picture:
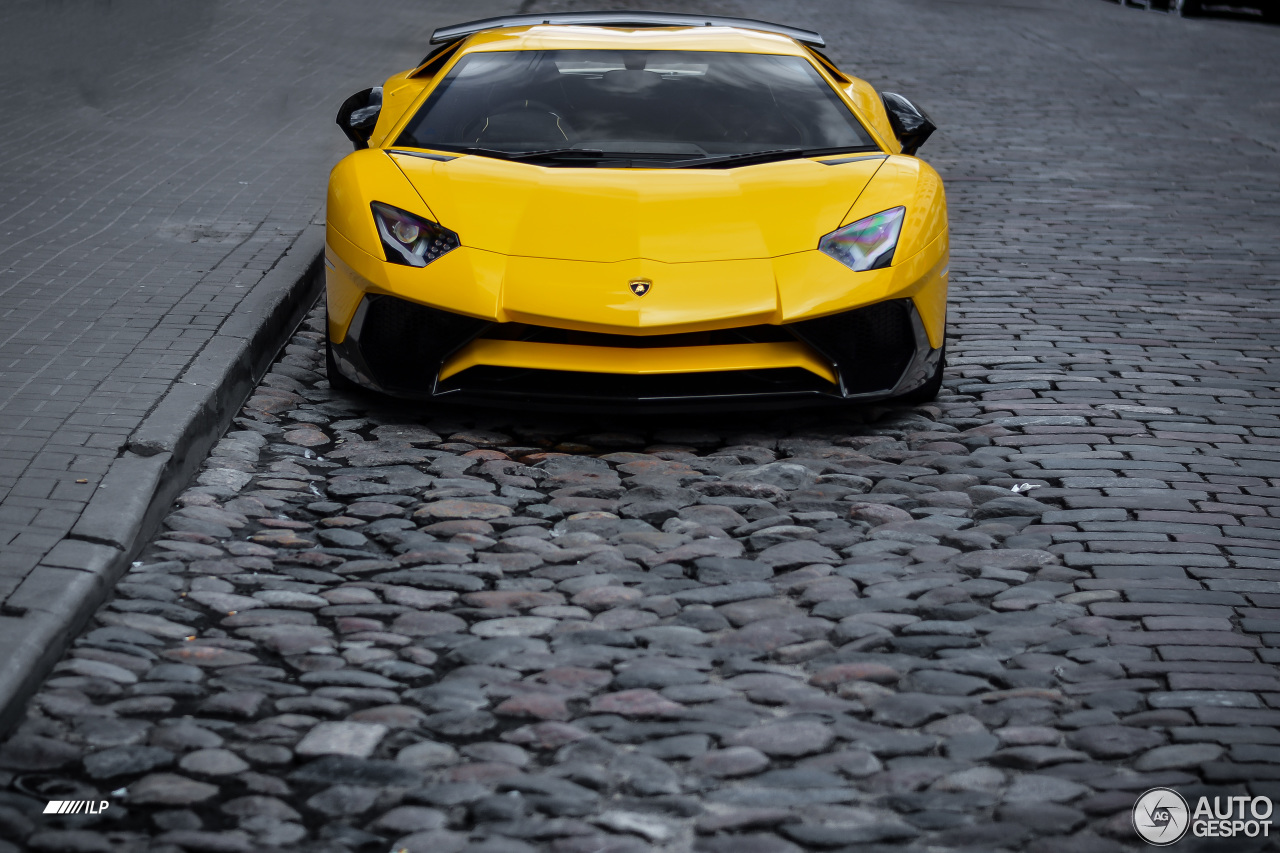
x,y
624,209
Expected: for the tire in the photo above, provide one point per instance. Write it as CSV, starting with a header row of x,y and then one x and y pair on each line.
x,y
928,392
1188,8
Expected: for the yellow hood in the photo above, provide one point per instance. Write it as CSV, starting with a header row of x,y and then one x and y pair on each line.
x,y
610,215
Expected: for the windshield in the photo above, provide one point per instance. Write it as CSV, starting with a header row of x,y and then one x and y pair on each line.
x,y
587,107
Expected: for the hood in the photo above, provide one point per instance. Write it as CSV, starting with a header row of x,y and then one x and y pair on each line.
x,y
610,215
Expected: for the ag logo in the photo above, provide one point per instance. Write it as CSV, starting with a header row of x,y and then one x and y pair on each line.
x,y
1161,816
640,286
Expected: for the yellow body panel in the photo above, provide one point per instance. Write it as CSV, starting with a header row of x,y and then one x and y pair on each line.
x,y
358,179
463,281
867,104
596,297
911,183
820,285
650,361
556,246
608,215
591,297
399,94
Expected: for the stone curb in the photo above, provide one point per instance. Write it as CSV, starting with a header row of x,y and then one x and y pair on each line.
x,y
53,603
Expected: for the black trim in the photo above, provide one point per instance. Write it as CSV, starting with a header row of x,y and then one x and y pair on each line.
x,y
835,72
359,131
434,61
445,35
570,390
871,347
402,344
844,160
910,124
425,155
397,347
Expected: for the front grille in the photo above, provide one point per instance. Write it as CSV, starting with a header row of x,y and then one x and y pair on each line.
x,y
404,343
871,346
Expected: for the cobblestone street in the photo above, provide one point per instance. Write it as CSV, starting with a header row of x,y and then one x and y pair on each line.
x,y
983,624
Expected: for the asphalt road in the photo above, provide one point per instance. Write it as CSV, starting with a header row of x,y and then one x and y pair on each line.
x,y
372,627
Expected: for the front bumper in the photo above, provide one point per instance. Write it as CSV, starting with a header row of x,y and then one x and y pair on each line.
x,y
412,351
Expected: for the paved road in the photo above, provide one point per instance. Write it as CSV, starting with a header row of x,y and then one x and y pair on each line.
x,y
371,627
156,160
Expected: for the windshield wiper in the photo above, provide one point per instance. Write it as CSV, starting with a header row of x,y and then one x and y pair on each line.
x,y
593,154
743,159
767,156
667,160
586,153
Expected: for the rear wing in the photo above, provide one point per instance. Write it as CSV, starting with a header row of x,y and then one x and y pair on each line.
x,y
447,35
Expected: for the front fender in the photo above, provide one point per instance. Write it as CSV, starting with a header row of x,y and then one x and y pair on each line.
x,y
359,178
906,182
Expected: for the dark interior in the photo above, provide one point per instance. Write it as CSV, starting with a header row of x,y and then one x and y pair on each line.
x,y
656,103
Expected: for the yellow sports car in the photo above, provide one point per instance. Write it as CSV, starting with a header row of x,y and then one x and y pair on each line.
x,y
613,209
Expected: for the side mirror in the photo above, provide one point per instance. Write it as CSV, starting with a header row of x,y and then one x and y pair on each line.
x,y
358,115
909,122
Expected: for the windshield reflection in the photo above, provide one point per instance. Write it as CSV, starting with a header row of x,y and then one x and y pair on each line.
x,y
648,105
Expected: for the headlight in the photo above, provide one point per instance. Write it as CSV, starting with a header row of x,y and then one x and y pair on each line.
x,y
409,239
867,244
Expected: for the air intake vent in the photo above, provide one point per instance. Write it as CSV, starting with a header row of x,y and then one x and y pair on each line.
x,y
404,343
871,346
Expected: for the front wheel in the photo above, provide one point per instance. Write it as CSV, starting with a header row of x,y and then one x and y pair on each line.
x,y
1188,8
928,392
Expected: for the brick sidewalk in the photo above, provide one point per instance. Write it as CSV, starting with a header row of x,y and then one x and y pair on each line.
x,y
158,159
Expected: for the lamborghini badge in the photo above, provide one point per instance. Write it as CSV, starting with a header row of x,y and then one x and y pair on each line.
x,y
640,286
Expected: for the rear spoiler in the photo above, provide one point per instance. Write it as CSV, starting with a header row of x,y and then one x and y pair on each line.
x,y
447,35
